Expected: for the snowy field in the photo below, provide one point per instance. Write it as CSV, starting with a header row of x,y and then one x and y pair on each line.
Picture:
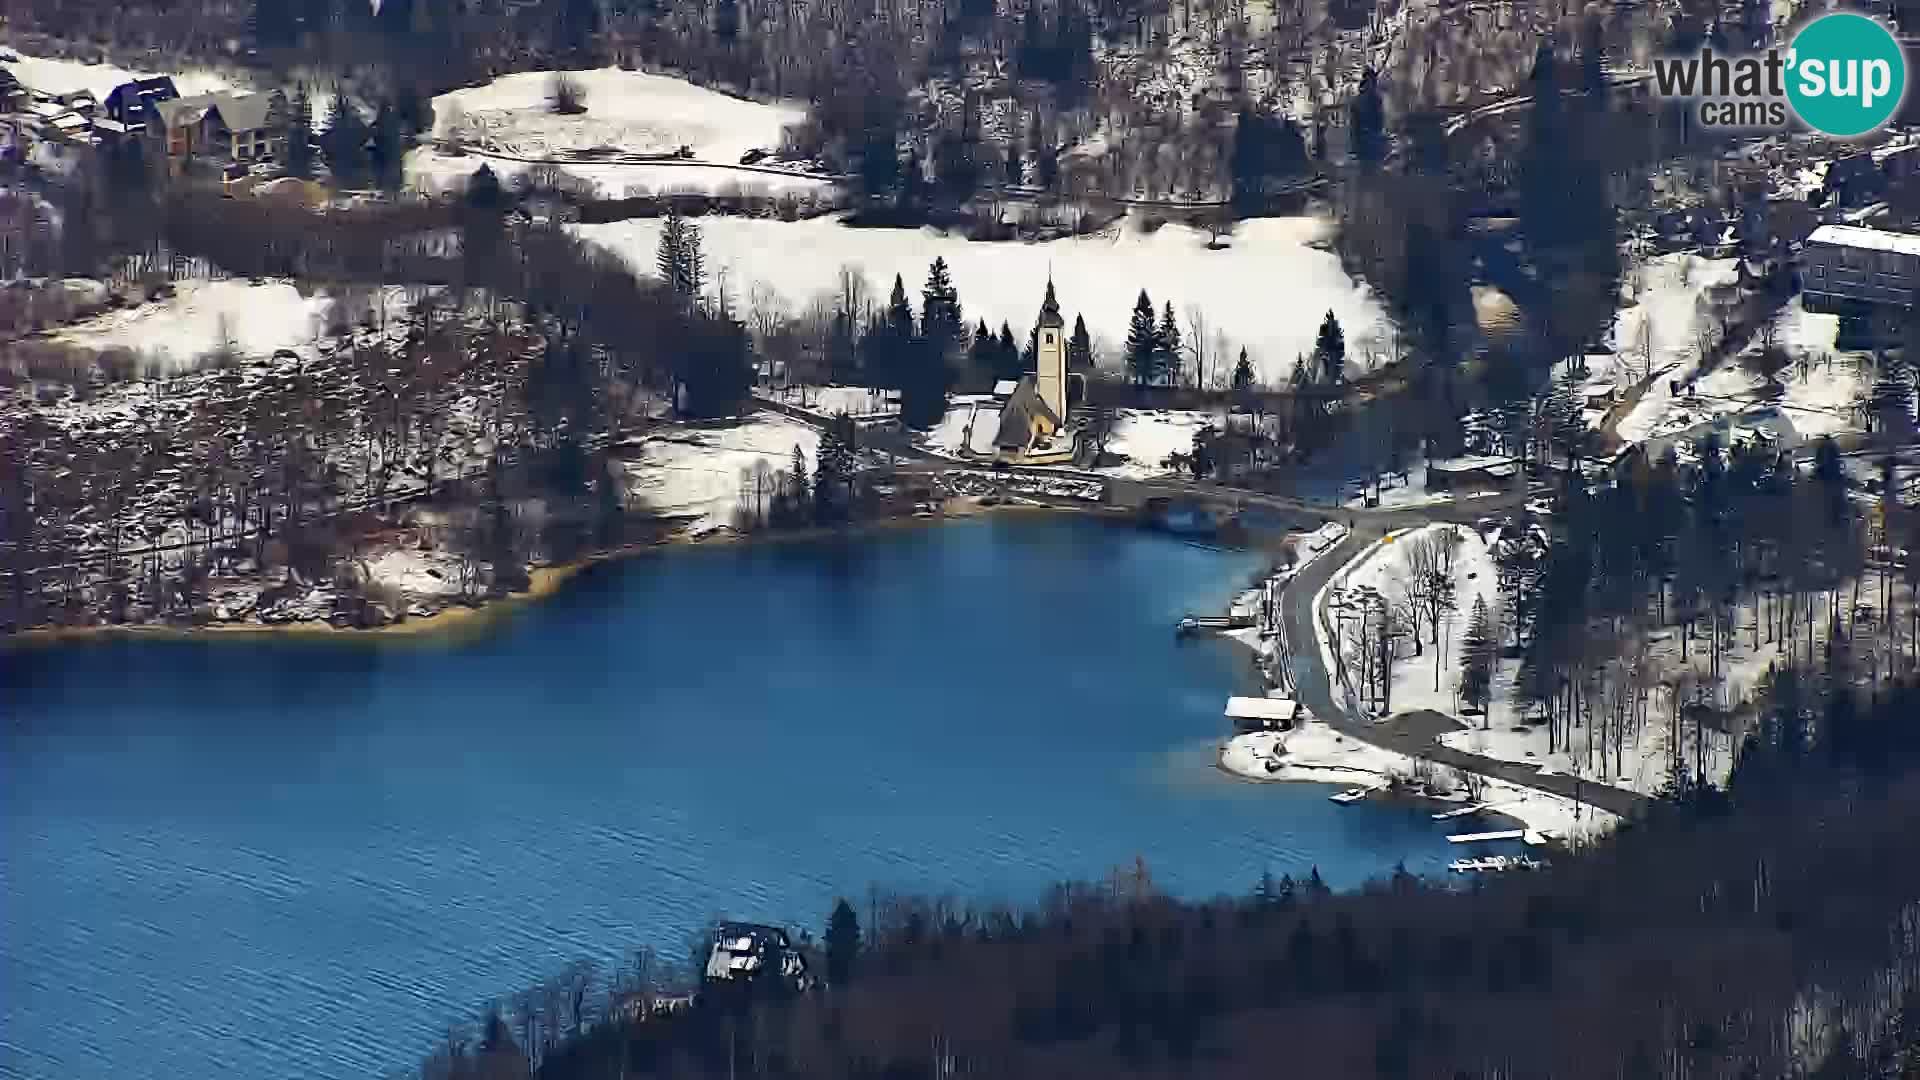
x,y
1147,437
628,111
67,76
1267,291
1314,752
699,473
205,317
967,428
1819,388
1661,323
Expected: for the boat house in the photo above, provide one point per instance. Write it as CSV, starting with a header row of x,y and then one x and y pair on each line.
x,y
1266,714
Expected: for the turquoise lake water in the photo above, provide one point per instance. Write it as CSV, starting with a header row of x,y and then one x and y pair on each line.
x,y
294,857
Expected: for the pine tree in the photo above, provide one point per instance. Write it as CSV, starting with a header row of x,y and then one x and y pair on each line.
x,y
833,471
300,135
941,322
1243,371
1330,349
799,494
1476,656
1171,356
984,354
345,142
679,259
1143,342
274,24
1367,118
1007,356
1080,347
843,943
389,148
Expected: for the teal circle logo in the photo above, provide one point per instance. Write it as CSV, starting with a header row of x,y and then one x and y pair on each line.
x,y
1846,74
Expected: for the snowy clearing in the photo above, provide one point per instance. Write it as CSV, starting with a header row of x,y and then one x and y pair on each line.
x,y
696,473
627,111
1819,389
968,427
51,76
1267,291
415,573
1146,438
204,317
855,401
1660,325
1313,752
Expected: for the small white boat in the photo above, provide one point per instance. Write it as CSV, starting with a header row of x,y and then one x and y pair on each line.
x,y
1350,795
1464,866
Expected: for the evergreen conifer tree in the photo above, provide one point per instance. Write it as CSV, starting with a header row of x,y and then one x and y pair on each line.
x,y
1143,342
679,259
842,940
299,153
1171,347
1243,372
1330,349
1476,659
1080,347
345,142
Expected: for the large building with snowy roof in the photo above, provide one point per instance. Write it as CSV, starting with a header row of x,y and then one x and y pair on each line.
x,y
1847,268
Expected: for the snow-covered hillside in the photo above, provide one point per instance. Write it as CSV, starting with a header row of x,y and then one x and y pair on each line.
x,y
629,111
509,125
698,473
1267,291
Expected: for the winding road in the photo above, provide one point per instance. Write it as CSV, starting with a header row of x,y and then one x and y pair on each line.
x,y
1416,734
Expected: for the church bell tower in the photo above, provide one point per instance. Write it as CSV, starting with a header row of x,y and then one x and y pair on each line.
x,y
1050,357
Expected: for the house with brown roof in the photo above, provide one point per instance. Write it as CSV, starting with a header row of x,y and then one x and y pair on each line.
x,y
224,127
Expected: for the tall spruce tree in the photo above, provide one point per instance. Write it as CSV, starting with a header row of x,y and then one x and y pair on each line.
x,y
1080,347
345,141
678,259
1477,656
300,135
1172,349
1143,342
1330,349
1367,119
833,471
1243,371
842,940
1007,355
941,321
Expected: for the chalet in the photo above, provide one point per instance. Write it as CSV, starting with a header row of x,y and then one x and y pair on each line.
x,y
748,953
222,127
1471,474
136,104
1847,268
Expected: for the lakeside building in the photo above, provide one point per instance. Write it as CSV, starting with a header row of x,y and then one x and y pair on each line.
x,y
1848,269
1035,426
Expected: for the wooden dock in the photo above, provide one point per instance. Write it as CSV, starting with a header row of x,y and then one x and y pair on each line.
x,y
1477,837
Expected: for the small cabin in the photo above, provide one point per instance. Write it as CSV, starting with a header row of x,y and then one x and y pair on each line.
x,y
1266,714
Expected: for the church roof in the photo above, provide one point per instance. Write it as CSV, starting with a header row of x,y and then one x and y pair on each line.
x,y
1016,420
1050,308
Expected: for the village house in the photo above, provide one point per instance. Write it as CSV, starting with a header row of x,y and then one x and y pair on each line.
x,y
136,104
223,127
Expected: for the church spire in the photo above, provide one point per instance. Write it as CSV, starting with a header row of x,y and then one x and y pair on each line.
x,y
1050,308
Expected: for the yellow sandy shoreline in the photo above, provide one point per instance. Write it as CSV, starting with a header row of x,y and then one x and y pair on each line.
x,y
543,582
